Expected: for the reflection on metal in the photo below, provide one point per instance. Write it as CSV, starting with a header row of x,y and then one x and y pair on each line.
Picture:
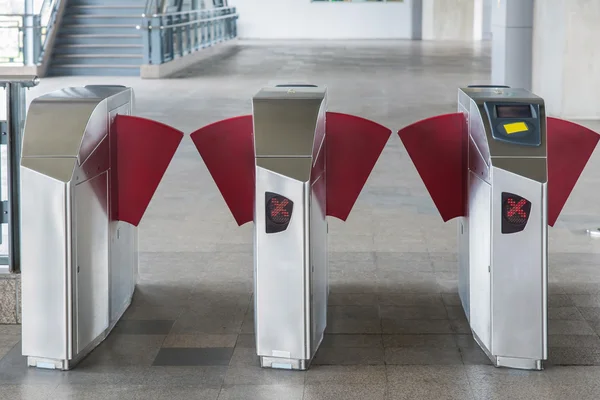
x,y
80,264
503,268
594,232
290,263
12,131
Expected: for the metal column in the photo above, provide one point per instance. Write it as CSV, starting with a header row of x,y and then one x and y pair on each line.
x,y
12,133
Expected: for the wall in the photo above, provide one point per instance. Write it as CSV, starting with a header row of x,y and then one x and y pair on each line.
x,y
451,20
566,57
303,19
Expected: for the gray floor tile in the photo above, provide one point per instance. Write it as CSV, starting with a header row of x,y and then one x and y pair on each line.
x,y
573,341
560,300
409,382
416,326
590,313
349,340
574,356
349,356
488,382
26,392
558,327
451,299
14,371
346,392
209,377
106,375
247,340
455,312
424,340
143,327
200,340
262,392
474,356
353,319
176,393
564,313
352,299
96,392
346,374
184,357
422,356
425,312
126,350
244,356
254,375
585,300
410,300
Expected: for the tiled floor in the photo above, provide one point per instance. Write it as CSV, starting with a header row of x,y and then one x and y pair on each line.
x,y
396,329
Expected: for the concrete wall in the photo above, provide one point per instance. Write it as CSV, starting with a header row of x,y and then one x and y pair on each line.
x,y
303,19
451,20
566,57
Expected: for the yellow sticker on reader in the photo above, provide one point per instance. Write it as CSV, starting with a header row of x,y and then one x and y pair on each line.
x,y
515,127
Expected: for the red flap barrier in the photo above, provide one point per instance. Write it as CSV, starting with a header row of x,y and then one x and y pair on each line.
x,y
438,147
569,148
227,148
144,149
353,147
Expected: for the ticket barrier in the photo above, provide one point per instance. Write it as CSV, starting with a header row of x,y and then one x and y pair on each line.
x,y
505,170
88,171
286,167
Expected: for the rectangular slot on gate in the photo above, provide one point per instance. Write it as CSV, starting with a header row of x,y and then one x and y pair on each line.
x,y
514,111
515,212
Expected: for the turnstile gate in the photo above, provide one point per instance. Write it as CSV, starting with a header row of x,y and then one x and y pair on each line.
x,y
286,167
88,172
505,170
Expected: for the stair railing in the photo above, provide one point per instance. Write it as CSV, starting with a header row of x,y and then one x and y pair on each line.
x,y
170,35
24,37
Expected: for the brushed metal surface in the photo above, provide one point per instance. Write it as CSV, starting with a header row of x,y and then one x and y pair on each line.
x,y
318,261
480,208
81,267
503,277
285,121
44,240
282,272
91,260
519,272
293,167
532,168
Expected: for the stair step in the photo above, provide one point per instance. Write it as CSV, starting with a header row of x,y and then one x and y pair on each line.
x,y
90,11
109,48
91,39
99,59
98,29
93,70
111,20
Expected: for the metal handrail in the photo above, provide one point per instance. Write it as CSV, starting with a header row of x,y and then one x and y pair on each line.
x,y
176,34
191,22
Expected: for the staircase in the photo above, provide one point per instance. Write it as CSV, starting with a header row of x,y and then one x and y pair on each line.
x,y
98,37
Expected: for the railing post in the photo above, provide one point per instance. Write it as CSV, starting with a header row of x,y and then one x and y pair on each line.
x,y
13,134
153,41
28,34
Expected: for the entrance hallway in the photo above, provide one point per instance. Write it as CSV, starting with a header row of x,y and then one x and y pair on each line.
x,y
396,329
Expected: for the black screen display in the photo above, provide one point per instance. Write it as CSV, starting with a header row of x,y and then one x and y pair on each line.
x,y
514,111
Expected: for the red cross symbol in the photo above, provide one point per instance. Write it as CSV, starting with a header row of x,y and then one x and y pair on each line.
x,y
279,208
515,208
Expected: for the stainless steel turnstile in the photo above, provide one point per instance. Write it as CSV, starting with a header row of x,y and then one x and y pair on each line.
x,y
505,170
503,264
81,203
287,167
290,230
